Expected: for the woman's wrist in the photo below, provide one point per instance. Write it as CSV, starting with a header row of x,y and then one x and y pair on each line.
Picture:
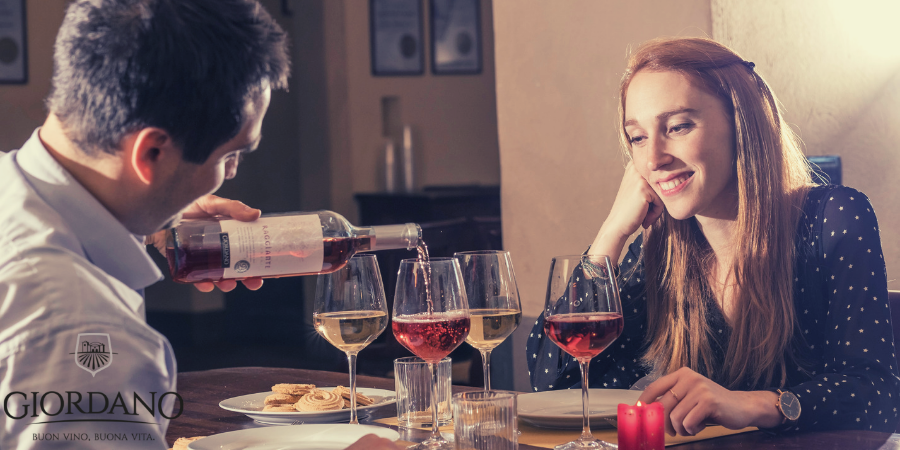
x,y
766,412
609,244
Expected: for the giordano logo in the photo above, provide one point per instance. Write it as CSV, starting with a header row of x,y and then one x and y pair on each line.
x,y
93,353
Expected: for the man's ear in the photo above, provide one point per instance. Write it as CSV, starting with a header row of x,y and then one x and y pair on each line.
x,y
152,154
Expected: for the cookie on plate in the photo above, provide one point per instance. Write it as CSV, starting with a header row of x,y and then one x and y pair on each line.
x,y
280,408
282,399
293,389
319,400
361,399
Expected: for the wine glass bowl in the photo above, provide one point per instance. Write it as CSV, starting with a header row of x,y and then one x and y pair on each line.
x,y
351,311
431,316
493,297
431,319
583,316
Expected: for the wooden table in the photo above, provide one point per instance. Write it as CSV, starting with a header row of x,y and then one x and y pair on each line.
x,y
202,392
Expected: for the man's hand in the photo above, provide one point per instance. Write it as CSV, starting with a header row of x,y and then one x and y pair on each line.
x,y
206,207
373,442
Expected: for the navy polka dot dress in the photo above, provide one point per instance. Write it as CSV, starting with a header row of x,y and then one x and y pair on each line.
x,y
850,377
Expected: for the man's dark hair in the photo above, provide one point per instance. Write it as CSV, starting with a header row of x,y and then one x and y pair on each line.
x,y
186,66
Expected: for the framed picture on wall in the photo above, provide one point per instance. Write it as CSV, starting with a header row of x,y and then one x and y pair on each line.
x,y
13,54
396,36
455,37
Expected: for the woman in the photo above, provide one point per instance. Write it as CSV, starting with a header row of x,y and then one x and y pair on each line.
x,y
751,291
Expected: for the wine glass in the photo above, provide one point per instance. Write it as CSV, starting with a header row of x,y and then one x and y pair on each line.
x,y
494,305
431,318
351,311
583,316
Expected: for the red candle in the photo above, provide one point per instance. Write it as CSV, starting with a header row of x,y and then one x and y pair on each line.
x,y
640,427
628,422
653,434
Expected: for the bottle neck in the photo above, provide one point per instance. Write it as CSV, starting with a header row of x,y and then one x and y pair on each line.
x,y
390,237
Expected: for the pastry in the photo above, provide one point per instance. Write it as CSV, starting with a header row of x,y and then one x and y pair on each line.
x,y
282,399
319,400
293,389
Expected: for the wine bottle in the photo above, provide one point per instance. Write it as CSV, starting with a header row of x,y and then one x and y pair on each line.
x,y
276,245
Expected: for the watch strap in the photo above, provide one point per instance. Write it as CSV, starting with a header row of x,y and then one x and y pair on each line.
x,y
784,417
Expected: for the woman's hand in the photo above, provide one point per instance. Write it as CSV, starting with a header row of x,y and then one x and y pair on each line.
x,y
206,207
636,205
691,401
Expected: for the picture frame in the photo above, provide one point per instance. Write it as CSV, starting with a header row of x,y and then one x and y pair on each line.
x,y
396,37
456,44
13,43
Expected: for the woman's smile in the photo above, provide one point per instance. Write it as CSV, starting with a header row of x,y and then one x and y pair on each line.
x,y
675,184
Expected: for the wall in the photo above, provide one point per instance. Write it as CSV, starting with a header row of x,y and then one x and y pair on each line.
x,y
22,106
836,68
453,117
558,68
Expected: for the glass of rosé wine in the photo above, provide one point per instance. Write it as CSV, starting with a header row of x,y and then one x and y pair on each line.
x,y
431,319
583,316
351,311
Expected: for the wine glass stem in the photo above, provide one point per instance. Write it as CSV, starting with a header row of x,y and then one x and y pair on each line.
x,y
435,403
486,365
351,360
585,402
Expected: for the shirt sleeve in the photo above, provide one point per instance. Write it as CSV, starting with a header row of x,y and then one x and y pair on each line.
x,y
618,366
121,396
858,387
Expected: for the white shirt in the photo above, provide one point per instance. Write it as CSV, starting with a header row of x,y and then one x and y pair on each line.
x,y
69,268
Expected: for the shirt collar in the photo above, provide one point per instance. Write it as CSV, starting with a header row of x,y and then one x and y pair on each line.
x,y
105,241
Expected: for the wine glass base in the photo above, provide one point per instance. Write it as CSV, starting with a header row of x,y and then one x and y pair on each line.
x,y
433,444
583,443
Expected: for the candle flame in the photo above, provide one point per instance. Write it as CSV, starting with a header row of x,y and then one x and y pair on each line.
x,y
639,403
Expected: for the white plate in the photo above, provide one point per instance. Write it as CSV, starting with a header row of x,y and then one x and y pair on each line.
x,y
562,409
252,405
296,437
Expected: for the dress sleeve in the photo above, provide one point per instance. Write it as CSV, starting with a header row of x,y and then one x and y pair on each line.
x,y
618,366
858,386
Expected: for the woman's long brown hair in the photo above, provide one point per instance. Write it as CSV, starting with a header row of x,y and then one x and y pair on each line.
x,y
773,179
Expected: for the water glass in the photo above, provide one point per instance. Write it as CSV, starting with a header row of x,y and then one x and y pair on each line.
x,y
412,381
485,420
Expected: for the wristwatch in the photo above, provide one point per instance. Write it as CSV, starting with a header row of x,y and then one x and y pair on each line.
x,y
789,406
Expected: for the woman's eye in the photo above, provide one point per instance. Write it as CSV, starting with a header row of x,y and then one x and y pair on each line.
x,y
636,140
680,127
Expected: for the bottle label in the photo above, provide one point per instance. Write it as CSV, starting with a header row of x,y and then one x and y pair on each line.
x,y
272,246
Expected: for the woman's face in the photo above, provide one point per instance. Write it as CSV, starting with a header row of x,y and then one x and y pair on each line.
x,y
682,143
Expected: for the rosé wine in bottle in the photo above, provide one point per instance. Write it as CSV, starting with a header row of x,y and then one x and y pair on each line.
x,y
276,245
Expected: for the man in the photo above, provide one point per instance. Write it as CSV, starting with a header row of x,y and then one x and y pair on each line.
x,y
153,102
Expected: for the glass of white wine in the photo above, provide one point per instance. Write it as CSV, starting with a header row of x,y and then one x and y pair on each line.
x,y
494,305
351,311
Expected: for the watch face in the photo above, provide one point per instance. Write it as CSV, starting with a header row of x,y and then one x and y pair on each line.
x,y
790,406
